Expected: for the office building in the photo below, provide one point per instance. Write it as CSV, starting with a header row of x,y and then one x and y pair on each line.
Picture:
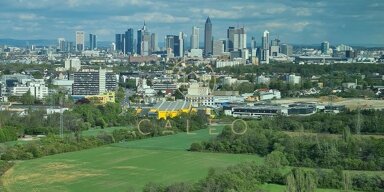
x,y
264,51
325,48
36,87
239,39
253,43
128,41
80,40
230,38
72,64
218,47
286,49
169,41
208,37
92,42
293,79
195,38
62,46
175,45
143,41
119,42
179,45
199,95
154,43
93,82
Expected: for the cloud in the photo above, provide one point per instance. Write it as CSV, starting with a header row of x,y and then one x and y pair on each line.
x,y
29,16
155,17
302,11
299,20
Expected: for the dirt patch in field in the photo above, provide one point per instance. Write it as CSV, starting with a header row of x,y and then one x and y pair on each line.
x,y
126,167
47,174
54,166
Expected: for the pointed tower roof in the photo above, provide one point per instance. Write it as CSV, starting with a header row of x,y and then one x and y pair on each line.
x,y
208,20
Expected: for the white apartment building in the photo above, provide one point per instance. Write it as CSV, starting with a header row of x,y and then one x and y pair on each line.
x,y
37,88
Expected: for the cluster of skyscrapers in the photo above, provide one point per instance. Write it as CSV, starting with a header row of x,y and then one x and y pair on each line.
x,y
143,42
67,46
145,45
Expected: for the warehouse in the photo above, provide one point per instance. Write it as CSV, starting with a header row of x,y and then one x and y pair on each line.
x,y
170,109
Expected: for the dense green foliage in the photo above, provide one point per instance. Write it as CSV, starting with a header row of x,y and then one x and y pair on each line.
x,y
363,121
348,152
306,70
247,177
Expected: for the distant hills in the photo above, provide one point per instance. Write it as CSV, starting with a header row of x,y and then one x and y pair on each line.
x,y
41,42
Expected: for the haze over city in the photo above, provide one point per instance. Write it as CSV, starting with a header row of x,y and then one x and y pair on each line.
x,y
296,22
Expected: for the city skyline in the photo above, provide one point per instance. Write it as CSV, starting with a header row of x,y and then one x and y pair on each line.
x,y
295,22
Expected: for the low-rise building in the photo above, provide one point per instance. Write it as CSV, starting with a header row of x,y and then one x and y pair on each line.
x,y
170,109
102,99
36,87
269,94
72,64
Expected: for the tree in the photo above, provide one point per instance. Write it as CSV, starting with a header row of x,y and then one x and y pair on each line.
x,y
301,181
196,147
120,95
246,88
346,134
276,159
27,98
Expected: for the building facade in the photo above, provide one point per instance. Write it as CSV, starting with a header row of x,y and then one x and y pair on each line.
x,y
93,82
80,40
208,37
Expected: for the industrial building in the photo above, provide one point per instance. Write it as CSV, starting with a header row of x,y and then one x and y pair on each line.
x,y
266,110
170,109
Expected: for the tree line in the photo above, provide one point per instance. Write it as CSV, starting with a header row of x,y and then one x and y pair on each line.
x,y
349,152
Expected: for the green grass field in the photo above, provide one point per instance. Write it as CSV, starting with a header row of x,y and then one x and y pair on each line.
x,y
121,167
96,131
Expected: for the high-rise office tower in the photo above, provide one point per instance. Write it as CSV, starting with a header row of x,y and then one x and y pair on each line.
x,y
128,44
274,49
92,42
275,42
175,44
182,44
264,52
286,49
230,37
218,47
178,45
140,33
265,40
154,43
80,40
169,41
253,43
324,47
195,38
208,37
143,41
239,39
119,42
62,44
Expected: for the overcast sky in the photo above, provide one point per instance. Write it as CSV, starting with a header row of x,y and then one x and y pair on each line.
x,y
295,21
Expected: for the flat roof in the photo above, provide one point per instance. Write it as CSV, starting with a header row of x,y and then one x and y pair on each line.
x,y
172,105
